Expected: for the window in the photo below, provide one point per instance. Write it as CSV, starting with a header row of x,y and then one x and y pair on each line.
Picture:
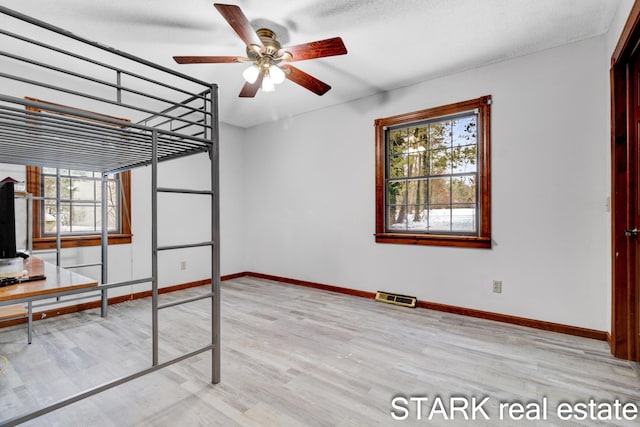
x,y
433,176
80,207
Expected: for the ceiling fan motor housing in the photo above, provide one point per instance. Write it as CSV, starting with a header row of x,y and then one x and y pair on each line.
x,y
271,46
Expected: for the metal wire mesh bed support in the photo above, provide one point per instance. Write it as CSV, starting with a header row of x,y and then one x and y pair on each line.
x,y
165,125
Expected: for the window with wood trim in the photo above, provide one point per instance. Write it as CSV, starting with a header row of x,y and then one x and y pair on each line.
x,y
433,176
80,207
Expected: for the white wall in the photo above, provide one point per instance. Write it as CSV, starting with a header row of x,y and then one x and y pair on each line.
x,y
310,193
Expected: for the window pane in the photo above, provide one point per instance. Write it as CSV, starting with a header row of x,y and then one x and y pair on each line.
x,y
114,223
417,218
49,187
397,217
463,189
398,166
112,212
112,188
464,159
83,217
439,162
82,189
397,154
396,192
97,187
438,135
50,217
439,218
418,162
82,173
397,141
463,219
417,139
417,192
112,192
464,131
440,191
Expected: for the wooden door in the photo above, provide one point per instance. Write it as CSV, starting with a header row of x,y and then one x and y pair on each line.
x,y
625,189
632,232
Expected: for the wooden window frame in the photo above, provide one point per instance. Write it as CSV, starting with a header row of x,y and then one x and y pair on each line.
x,y
481,239
72,241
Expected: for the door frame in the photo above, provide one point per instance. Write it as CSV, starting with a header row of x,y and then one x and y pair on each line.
x,y
625,185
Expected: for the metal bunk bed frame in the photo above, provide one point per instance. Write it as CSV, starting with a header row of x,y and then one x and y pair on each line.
x,y
43,134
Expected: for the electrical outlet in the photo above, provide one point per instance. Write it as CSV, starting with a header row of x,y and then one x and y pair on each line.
x,y
183,265
497,286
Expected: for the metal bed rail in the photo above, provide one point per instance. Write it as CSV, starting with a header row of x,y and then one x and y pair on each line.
x,y
59,294
50,138
60,300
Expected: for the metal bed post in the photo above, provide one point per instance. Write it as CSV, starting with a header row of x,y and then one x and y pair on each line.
x,y
58,222
104,244
214,155
154,245
29,223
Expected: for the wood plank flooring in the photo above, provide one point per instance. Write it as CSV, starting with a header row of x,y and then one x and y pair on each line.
x,y
294,356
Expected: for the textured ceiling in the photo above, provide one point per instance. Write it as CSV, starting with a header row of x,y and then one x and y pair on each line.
x,y
391,43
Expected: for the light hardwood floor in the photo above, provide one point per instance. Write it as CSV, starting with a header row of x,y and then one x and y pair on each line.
x,y
298,356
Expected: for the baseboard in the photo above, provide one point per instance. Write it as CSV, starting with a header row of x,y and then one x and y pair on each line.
x,y
504,318
331,288
515,320
233,276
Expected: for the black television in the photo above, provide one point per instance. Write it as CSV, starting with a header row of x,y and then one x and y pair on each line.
x,y
7,219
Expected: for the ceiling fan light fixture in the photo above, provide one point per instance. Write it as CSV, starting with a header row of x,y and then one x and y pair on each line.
x,y
267,84
276,74
251,74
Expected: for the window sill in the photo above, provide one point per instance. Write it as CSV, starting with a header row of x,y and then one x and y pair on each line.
x,y
80,241
434,240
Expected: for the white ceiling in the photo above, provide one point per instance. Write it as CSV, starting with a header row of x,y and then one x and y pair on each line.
x,y
391,43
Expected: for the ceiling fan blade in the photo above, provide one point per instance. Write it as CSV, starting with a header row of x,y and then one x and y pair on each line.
x,y
249,90
209,59
305,80
234,16
317,49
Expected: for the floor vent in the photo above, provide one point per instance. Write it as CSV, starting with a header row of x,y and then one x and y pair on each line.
x,y
403,300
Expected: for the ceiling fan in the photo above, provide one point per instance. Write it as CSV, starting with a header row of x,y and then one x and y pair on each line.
x,y
270,62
